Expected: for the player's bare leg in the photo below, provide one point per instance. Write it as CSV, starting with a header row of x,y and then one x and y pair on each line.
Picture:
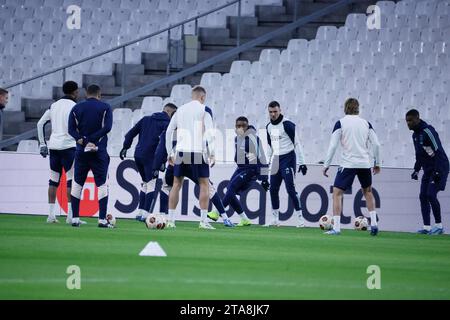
x,y
51,201
204,203
174,197
370,201
338,195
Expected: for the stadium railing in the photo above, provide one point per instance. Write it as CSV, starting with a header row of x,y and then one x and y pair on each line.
x,y
188,71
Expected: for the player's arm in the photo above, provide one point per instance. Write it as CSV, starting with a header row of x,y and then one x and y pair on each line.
x,y
417,164
290,129
169,134
262,161
334,142
210,136
373,139
269,149
129,137
41,133
160,154
107,125
131,134
40,126
431,141
73,128
431,145
298,150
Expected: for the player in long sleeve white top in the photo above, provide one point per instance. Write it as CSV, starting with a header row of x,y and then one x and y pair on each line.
x,y
357,139
194,128
61,146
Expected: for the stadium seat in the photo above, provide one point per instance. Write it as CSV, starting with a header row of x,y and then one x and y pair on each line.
x,y
326,33
240,67
405,7
28,146
211,79
386,7
405,63
152,104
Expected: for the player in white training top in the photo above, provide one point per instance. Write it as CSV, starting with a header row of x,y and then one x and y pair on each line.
x,y
195,146
356,137
61,146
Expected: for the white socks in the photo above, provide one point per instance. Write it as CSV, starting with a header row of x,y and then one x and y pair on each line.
x,y
243,216
373,218
438,225
224,216
299,214
337,223
51,210
172,215
75,220
276,214
203,215
142,212
69,211
427,228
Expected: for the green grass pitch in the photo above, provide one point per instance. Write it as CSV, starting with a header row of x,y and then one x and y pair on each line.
x,y
239,263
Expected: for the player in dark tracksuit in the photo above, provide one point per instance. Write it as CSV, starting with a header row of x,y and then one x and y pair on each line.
x,y
149,129
89,123
252,165
431,157
159,164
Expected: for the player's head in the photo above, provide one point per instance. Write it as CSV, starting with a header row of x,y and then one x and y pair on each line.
x,y
93,91
70,88
412,119
199,94
351,106
241,125
3,96
274,110
170,109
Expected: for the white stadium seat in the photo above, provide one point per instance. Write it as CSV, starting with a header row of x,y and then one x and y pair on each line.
x,y
406,63
28,146
152,103
240,67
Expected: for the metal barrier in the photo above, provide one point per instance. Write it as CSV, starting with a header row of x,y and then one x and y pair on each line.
x,y
123,46
202,65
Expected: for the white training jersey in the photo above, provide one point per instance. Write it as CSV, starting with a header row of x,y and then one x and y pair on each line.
x,y
356,137
283,138
194,130
58,115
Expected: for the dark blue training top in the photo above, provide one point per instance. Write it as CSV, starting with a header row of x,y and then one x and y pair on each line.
x,y
91,120
429,152
149,129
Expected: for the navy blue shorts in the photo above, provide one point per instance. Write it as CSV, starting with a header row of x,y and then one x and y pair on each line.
x,y
346,176
192,165
168,177
145,168
98,162
59,160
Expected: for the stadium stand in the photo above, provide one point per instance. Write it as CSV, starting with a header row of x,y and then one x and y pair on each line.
x,y
403,64
146,61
